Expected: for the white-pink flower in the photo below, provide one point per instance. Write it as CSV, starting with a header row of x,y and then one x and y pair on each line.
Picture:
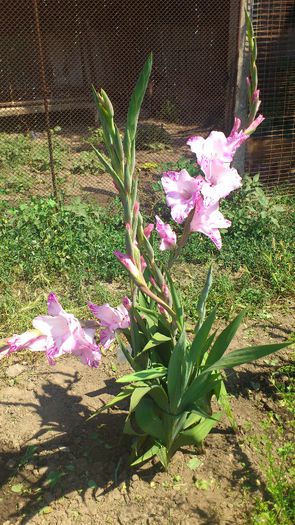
x,y
56,334
214,156
222,181
111,320
168,236
208,220
181,191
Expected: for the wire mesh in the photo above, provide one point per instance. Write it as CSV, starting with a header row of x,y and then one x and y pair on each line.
x,y
105,43
271,150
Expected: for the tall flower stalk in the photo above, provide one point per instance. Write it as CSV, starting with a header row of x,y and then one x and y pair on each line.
x,y
174,377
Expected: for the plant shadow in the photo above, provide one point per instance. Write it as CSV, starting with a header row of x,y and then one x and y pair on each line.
x,y
83,455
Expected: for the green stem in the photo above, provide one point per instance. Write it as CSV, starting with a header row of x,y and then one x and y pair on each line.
x,y
183,240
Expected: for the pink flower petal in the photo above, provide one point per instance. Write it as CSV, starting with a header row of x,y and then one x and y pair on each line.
x,y
54,307
208,220
58,334
181,193
168,236
111,319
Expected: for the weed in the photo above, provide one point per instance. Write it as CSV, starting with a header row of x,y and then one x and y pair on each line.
x,y
39,158
14,150
152,137
169,111
277,451
95,137
86,163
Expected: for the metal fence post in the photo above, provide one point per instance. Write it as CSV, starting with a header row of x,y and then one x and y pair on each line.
x,y
45,96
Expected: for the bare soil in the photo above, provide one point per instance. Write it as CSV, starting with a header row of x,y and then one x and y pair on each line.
x,y
47,407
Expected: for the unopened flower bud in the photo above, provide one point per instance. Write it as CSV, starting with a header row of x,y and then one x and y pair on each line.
x,y
148,230
136,208
152,280
126,302
165,290
143,263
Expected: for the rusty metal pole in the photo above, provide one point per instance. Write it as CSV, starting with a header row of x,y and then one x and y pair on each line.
x,y
45,96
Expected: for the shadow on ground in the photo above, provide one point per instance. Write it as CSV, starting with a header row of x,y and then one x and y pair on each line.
x,y
87,455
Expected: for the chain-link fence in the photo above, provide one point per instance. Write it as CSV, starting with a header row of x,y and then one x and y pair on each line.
x,y
52,51
271,150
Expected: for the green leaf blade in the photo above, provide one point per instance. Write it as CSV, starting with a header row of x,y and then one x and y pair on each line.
x,y
143,375
224,339
137,97
245,355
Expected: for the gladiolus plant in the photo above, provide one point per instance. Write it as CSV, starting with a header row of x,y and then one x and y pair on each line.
x,y
174,377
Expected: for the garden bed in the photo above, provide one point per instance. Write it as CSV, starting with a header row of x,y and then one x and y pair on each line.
x,y
56,467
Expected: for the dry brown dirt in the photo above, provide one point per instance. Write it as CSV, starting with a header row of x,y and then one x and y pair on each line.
x,y
47,407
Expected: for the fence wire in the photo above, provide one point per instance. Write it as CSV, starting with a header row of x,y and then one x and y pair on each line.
x,y
53,51
271,150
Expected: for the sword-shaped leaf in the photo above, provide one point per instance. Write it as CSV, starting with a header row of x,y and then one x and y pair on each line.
x,y
223,340
143,375
137,97
245,355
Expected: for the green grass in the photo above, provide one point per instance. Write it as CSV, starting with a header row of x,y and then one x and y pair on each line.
x,y
70,248
276,451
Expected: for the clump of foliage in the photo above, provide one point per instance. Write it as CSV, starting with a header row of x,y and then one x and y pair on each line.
x,y
43,236
152,137
30,152
276,451
95,137
86,163
15,150
169,111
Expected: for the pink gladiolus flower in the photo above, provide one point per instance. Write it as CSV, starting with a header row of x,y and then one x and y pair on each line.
x,y
214,155
166,233
56,334
208,220
181,193
256,94
161,309
111,319
223,181
148,230
153,282
31,340
217,148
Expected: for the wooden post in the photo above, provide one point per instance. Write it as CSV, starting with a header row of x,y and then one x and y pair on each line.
x,y
241,102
